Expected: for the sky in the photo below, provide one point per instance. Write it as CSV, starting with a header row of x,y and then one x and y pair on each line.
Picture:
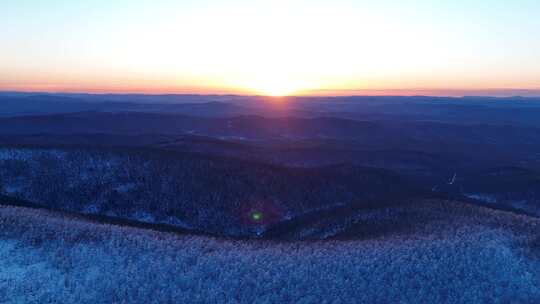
x,y
312,47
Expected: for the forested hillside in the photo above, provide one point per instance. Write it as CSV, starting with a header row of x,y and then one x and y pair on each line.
x,y
452,253
217,195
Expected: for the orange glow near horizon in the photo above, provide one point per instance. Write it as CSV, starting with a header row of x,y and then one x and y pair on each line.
x,y
272,91
273,82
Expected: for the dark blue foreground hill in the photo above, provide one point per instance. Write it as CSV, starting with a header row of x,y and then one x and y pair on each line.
x,y
452,253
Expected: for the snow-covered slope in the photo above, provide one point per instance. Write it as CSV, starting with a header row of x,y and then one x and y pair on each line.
x,y
451,253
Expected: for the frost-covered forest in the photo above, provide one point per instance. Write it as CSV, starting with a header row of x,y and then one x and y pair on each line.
x,y
463,254
190,191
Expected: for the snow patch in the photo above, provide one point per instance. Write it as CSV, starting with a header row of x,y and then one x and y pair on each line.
x,y
482,197
144,217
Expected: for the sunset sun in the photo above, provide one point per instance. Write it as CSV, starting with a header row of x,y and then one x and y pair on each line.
x,y
276,88
272,83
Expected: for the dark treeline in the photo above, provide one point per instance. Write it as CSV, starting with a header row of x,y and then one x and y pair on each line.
x,y
214,194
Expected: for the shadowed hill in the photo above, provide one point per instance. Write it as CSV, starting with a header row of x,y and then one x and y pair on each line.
x,y
212,194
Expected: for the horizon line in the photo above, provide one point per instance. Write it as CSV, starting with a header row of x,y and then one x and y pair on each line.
x,y
531,93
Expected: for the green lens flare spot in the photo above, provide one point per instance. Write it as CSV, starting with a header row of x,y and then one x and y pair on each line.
x,y
257,216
